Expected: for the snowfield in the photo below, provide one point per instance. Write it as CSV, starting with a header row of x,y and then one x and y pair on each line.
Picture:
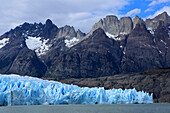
x,y
18,90
71,42
36,43
3,42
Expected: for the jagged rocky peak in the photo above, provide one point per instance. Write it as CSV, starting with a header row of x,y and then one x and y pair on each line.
x,y
114,27
162,17
152,24
136,21
126,25
67,32
50,29
97,25
48,22
80,34
111,24
70,35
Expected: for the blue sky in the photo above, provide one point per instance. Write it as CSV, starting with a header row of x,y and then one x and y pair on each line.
x,y
147,7
82,14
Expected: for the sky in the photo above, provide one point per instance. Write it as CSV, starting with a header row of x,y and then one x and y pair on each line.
x,y
82,14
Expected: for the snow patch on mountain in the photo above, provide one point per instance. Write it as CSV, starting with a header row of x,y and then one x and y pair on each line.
x,y
33,43
3,42
17,90
123,33
150,30
38,44
115,37
71,42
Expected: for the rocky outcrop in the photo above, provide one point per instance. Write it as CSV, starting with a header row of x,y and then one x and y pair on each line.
x,y
126,25
67,32
49,30
154,81
152,24
112,25
80,34
136,21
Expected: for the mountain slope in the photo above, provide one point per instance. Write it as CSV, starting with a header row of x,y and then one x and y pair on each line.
x,y
96,56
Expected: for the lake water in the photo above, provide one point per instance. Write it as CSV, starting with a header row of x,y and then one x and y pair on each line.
x,y
116,108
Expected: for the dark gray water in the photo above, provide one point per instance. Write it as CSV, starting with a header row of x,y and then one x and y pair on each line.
x,y
135,108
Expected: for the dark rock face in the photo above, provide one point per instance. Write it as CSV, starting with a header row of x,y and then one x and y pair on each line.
x,y
16,58
92,57
49,30
140,53
27,63
155,81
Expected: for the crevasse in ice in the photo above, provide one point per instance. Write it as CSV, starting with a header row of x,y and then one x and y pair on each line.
x,y
18,90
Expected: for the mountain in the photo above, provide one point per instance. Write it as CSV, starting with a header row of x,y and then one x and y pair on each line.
x,y
93,57
29,48
113,46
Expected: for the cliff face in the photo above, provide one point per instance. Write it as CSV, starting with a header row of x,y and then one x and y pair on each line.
x,y
112,25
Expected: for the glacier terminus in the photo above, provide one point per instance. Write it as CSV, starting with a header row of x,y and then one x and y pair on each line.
x,y
24,90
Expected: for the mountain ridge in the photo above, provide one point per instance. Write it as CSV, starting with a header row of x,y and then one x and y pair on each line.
x,y
140,45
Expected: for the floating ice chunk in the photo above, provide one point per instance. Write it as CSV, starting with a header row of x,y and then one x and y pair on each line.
x,y
3,42
17,90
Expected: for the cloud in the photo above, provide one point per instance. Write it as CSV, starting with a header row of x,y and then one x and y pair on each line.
x,y
156,2
166,8
148,10
78,13
133,12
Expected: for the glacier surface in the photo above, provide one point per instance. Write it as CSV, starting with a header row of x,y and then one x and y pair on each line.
x,y
19,90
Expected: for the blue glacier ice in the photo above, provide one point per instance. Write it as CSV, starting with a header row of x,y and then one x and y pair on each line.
x,y
19,90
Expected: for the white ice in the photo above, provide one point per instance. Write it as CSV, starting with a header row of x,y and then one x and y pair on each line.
x,y
17,90
3,42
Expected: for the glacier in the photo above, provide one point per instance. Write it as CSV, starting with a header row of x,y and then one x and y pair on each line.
x,y
24,90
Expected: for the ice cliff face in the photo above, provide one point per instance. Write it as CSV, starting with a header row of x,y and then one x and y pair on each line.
x,y
17,90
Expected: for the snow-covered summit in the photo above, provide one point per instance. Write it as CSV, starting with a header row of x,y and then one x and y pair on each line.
x,y
17,90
